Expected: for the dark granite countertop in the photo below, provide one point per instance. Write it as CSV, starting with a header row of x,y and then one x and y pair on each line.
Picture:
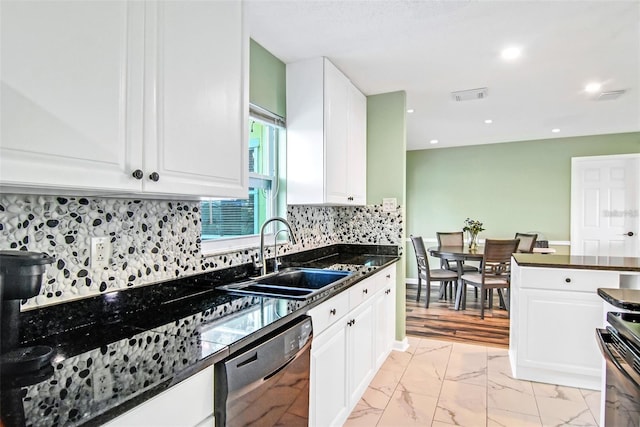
x,y
147,339
578,262
627,299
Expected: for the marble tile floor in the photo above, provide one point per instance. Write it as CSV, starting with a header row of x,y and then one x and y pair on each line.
x,y
441,383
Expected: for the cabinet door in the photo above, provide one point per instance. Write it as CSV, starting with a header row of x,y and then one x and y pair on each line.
x,y
336,100
189,403
71,95
385,317
357,147
557,331
196,99
328,396
361,351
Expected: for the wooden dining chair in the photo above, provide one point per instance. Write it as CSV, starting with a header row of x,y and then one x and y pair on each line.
x,y
424,273
453,238
527,242
495,272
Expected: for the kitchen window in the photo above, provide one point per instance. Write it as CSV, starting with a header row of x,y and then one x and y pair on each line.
x,y
235,223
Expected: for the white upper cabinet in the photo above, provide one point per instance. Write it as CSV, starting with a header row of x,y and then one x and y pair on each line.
x,y
196,101
326,136
94,91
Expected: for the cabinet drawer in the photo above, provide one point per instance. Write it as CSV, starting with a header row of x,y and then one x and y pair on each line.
x,y
568,279
363,291
388,277
328,312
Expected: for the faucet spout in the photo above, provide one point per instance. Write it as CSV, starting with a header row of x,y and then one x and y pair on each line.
x,y
261,260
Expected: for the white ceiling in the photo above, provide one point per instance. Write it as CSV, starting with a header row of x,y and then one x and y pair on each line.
x,y
431,48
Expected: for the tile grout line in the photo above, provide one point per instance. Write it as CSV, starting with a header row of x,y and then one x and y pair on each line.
x,y
446,369
395,388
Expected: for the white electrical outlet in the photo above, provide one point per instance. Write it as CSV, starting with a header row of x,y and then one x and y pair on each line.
x,y
389,205
102,385
100,252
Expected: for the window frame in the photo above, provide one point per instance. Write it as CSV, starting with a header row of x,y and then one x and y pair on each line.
x,y
232,244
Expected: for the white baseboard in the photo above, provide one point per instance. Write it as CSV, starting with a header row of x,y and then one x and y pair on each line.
x,y
401,345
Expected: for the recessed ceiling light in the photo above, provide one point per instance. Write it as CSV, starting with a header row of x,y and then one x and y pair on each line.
x,y
410,110
433,141
488,121
511,53
555,130
593,87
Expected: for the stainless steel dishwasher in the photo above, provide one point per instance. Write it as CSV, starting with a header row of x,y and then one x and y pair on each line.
x,y
267,383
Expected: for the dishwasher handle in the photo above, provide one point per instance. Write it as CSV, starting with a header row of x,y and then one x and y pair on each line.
x,y
250,368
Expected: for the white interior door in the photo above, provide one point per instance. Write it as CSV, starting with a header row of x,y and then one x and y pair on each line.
x,y
605,205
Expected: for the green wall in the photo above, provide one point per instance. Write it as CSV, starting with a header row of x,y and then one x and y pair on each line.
x,y
515,186
386,170
267,80
386,147
267,89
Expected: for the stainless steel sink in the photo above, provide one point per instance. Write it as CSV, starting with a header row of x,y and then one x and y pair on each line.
x,y
295,283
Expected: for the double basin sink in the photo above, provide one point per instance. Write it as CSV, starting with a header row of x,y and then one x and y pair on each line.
x,y
295,283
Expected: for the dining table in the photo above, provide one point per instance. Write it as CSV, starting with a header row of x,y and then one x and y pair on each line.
x,y
458,253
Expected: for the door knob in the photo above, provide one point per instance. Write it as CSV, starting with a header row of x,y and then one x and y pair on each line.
x,y
154,176
137,174
630,234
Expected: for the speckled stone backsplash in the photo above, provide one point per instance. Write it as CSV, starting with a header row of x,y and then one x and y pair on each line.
x,y
154,241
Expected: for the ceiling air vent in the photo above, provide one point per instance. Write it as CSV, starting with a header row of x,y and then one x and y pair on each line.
x,y
614,94
470,94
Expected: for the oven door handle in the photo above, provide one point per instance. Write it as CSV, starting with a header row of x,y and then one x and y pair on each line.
x,y
601,335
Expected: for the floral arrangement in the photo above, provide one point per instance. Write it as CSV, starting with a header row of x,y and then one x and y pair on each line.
x,y
472,226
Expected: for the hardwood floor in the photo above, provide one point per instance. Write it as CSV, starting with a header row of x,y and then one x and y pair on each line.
x,y
441,321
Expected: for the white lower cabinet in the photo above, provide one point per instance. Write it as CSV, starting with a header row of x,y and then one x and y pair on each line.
x,y
346,353
554,315
561,339
189,403
360,356
385,309
328,398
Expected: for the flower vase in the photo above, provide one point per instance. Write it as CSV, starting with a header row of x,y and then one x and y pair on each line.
x,y
473,241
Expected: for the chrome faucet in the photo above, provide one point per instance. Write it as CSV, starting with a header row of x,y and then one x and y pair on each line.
x,y
276,263
262,263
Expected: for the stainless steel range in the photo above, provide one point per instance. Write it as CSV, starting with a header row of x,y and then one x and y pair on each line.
x,y
620,346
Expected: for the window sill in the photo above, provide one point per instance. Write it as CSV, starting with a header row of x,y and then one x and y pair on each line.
x,y
223,246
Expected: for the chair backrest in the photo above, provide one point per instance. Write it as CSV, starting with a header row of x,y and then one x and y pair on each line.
x,y
527,242
421,255
454,238
496,261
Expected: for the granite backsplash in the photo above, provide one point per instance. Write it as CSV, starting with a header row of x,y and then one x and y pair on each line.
x,y
154,241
